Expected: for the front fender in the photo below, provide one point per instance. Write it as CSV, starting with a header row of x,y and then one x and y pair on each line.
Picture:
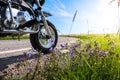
x,y
46,14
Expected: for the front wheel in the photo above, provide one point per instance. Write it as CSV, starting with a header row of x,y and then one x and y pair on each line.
x,y
40,42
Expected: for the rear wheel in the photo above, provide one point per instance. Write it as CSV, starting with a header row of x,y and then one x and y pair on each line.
x,y
41,42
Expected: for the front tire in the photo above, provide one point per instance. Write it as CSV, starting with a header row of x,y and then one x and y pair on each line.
x,y
41,43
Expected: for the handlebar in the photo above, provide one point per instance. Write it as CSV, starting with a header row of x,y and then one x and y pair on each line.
x,y
42,2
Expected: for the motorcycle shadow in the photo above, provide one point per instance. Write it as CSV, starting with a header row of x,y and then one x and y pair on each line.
x,y
5,62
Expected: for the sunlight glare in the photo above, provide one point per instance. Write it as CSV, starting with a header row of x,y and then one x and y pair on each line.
x,y
109,15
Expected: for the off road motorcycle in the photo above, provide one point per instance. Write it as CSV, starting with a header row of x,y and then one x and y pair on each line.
x,y
19,17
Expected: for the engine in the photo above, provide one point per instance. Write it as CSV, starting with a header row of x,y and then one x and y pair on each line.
x,y
20,17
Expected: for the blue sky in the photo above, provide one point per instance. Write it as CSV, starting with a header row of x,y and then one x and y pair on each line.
x,y
95,16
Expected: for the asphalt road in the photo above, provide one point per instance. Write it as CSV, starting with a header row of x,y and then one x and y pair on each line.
x,y
14,47
11,50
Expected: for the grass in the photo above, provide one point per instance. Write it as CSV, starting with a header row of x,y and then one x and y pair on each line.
x,y
92,57
15,37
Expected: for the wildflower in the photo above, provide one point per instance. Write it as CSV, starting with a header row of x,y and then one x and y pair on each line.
x,y
29,55
71,52
21,59
51,49
76,46
106,52
42,54
63,46
115,44
91,51
35,59
52,41
100,52
55,49
59,51
34,51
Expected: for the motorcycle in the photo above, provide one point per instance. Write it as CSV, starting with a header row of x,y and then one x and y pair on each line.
x,y
19,17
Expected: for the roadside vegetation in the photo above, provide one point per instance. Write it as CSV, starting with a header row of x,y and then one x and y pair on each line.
x,y
92,57
14,37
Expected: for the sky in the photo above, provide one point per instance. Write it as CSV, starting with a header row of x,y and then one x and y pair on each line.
x,y
93,16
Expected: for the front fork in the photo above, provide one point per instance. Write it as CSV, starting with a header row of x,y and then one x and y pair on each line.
x,y
12,20
43,18
11,14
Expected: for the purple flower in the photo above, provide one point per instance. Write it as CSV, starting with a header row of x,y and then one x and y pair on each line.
x,y
76,46
100,52
55,49
52,41
51,49
63,46
106,52
29,55
71,52
115,44
35,51
91,51
21,59
59,51
35,59
42,54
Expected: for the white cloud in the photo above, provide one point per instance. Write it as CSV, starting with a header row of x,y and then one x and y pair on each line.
x,y
57,8
62,12
61,4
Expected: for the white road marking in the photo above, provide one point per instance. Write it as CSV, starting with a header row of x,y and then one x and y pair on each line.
x,y
13,51
20,50
61,40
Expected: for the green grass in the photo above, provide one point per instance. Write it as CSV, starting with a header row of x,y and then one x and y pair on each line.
x,y
14,38
92,57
